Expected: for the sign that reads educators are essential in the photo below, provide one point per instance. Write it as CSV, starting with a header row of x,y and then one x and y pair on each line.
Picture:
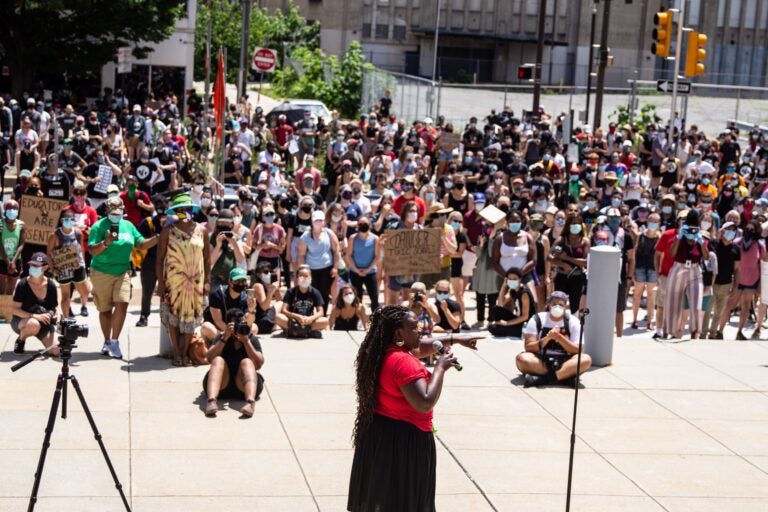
x,y
40,216
412,251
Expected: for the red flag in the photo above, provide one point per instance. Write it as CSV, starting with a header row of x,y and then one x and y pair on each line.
x,y
219,98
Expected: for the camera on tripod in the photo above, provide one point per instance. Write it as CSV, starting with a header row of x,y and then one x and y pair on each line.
x,y
70,330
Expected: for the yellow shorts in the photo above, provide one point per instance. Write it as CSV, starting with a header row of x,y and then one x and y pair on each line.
x,y
109,289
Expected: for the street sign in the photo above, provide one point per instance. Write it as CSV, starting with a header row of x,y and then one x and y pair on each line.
x,y
666,86
124,55
264,60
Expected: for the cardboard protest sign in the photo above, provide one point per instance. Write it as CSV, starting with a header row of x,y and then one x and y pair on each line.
x,y
492,214
412,251
449,141
64,259
40,216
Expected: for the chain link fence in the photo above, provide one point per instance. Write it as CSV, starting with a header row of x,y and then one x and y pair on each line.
x,y
412,97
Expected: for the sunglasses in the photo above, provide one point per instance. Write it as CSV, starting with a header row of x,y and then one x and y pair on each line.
x,y
79,193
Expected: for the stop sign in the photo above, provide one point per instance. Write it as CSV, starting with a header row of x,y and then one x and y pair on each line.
x,y
264,60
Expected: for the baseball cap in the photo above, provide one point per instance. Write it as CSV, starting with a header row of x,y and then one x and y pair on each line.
x,y
479,197
318,215
537,216
137,108
39,259
347,162
237,274
113,188
613,212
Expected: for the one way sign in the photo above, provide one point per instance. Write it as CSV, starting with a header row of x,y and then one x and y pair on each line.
x,y
666,86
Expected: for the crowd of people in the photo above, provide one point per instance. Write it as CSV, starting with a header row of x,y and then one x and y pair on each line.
x,y
289,228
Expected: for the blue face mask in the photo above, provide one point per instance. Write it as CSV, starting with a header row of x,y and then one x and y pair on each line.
x,y
515,227
575,229
614,223
600,242
429,196
616,202
456,225
653,225
442,296
68,223
591,205
729,235
666,209
35,271
512,284
11,214
115,218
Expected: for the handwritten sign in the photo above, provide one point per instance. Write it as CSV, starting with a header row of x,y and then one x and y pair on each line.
x,y
40,216
492,214
65,259
449,141
105,173
412,251
5,307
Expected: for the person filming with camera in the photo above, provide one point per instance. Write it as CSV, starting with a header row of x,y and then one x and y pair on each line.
x,y
35,300
236,359
551,345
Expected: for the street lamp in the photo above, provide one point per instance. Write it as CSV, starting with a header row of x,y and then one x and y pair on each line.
x,y
434,55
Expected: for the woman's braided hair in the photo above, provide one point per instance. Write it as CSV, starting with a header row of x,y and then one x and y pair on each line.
x,y
384,323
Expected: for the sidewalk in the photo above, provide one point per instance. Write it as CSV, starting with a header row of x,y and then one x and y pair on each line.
x,y
670,426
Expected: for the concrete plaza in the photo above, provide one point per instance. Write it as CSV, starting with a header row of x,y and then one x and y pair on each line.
x,y
669,426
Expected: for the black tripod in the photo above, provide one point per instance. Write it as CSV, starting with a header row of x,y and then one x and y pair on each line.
x,y
66,346
582,316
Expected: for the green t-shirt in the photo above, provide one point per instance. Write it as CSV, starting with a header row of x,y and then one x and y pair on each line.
x,y
116,259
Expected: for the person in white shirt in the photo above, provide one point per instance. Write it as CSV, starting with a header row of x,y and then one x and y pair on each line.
x,y
551,345
359,198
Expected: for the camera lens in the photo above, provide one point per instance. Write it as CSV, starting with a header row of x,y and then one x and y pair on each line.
x,y
242,328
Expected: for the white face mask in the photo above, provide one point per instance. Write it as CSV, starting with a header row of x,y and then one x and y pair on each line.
x,y
237,219
336,218
205,202
266,278
349,298
556,311
304,282
412,216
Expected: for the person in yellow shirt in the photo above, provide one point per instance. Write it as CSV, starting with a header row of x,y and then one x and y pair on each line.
x,y
730,177
705,185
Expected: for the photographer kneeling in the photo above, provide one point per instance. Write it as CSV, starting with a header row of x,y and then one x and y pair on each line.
x,y
551,345
35,300
235,358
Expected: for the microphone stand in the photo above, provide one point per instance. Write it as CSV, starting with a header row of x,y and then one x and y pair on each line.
x,y
582,316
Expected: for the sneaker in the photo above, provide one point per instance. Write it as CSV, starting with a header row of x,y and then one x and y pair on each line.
x,y
18,347
84,311
657,336
142,321
740,336
535,381
113,349
756,334
105,348
464,326
315,334
718,335
211,408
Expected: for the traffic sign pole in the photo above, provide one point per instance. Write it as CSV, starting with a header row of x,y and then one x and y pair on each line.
x,y
678,53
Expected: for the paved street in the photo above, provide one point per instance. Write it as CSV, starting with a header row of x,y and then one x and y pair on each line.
x,y
672,426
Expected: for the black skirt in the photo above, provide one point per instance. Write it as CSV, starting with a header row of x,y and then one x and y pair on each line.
x,y
393,469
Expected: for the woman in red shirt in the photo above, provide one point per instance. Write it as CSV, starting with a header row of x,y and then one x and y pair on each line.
x,y
394,464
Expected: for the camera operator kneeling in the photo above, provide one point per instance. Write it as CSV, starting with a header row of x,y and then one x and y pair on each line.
x,y
552,345
35,300
235,358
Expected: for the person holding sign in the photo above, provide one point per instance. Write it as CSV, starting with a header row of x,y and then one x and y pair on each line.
x,y
111,242
67,262
13,236
98,175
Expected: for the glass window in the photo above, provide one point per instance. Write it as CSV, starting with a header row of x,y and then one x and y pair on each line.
x,y
750,14
764,15
531,7
721,13
382,31
475,5
366,30
693,11
735,15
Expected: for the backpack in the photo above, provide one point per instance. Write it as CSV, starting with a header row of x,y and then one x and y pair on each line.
x,y
566,328
138,255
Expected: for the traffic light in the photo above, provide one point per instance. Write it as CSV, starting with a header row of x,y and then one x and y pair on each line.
x,y
662,34
525,72
695,54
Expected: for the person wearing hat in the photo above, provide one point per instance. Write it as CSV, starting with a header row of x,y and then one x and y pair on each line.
x,y
353,155
551,341
111,242
183,275
437,217
231,295
228,249
34,305
319,250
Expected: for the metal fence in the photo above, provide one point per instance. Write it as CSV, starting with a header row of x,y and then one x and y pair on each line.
x,y
710,107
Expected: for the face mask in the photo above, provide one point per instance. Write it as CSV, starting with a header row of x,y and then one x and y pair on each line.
x,y
601,242
349,298
498,181
616,202
456,226
559,222
239,287
748,235
706,225
11,214
556,311
198,189
405,187
363,228
575,178
514,227
237,219
115,218
448,185
247,207
441,297
730,170
547,158
205,202
729,235
266,278
304,283
666,209
100,159
575,229
412,216
690,186
336,218
33,190
429,196
132,188
68,223
512,284
468,160
459,186
542,204
681,206
307,208
35,271
614,223
591,205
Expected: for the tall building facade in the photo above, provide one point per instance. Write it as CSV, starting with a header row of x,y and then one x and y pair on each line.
x,y
486,40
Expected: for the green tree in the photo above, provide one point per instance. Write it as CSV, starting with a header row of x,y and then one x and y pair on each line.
x,y
75,37
348,84
285,27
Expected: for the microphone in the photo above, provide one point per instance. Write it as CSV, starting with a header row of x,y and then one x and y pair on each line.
x,y
438,345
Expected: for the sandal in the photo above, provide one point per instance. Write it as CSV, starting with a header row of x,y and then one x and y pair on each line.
x,y
177,361
248,408
634,325
185,361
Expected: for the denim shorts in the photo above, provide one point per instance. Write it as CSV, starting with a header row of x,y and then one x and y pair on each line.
x,y
645,275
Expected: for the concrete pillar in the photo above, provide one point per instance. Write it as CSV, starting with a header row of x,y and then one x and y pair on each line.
x,y
603,272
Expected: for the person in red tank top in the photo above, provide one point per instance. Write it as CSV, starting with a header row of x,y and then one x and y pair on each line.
x,y
395,397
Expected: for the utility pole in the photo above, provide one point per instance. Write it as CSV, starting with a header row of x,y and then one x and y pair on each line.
x,y
678,52
591,58
434,56
539,57
242,74
603,64
207,92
